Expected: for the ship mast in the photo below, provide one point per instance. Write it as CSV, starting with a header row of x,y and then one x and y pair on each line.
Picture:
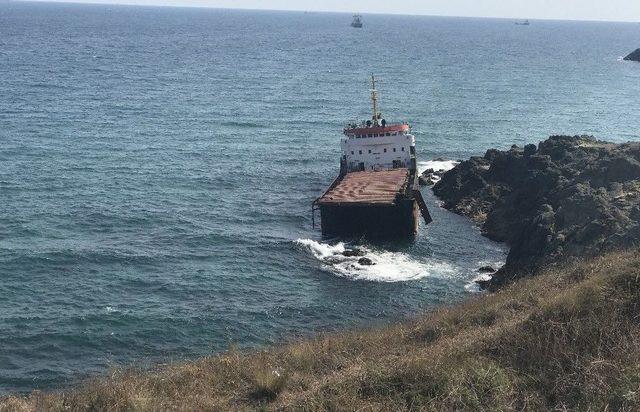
x,y
374,99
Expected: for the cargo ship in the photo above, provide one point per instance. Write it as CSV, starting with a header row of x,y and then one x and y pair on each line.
x,y
376,194
357,21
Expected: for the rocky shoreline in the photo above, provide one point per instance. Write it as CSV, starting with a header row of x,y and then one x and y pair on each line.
x,y
569,197
634,56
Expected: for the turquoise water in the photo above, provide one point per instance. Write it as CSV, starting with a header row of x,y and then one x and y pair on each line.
x,y
157,167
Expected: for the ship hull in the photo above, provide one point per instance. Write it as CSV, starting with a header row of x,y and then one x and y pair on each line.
x,y
399,221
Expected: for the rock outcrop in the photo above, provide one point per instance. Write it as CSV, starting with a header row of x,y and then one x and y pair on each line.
x,y
634,56
430,177
364,261
567,197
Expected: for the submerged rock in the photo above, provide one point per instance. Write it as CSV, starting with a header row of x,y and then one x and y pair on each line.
x,y
366,262
572,196
634,56
486,269
353,252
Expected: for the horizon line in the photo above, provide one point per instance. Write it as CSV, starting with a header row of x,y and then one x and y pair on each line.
x,y
195,6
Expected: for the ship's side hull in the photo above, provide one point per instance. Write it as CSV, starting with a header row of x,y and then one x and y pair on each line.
x,y
398,221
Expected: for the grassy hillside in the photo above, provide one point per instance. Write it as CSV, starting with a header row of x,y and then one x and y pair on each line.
x,y
568,339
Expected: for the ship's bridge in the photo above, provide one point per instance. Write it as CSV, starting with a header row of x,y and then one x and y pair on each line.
x,y
377,145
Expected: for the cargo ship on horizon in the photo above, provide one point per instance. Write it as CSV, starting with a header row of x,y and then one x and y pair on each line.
x,y
357,21
376,193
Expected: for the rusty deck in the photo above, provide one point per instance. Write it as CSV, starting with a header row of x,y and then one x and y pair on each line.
x,y
367,188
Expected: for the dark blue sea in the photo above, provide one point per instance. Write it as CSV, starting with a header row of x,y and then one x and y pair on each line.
x,y
157,168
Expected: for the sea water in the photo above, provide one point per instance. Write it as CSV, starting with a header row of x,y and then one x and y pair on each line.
x,y
157,168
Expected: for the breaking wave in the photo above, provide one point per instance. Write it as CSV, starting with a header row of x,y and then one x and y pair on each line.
x,y
437,165
473,285
372,265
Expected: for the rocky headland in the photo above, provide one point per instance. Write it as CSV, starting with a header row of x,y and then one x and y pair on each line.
x,y
568,197
634,56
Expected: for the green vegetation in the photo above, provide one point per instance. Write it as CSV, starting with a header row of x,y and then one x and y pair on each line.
x,y
567,339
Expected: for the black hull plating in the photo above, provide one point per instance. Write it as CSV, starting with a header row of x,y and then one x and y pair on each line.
x,y
399,221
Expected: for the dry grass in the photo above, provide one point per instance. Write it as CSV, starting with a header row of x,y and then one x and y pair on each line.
x,y
568,340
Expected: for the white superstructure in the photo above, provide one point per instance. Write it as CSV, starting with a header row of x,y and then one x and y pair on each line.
x,y
378,151
376,145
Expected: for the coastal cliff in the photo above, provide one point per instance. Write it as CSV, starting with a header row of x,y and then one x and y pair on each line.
x,y
568,197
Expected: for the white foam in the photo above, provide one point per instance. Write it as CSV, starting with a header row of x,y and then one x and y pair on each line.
x,y
388,266
437,165
473,285
321,250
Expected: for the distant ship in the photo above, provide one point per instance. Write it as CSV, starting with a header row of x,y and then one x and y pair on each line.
x,y
523,23
376,194
357,21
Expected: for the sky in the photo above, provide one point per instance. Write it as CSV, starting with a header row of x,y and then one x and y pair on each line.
x,y
612,10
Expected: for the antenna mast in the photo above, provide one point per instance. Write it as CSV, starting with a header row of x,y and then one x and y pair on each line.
x,y
374,99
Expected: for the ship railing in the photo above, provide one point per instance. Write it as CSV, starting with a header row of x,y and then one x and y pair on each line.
x,y
356,125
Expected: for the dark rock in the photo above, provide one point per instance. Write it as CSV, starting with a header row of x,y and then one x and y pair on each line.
x,y
432,172
634,56
429,177
484,284
458,184
366,262
426,181
570,197
530,150
486,269
353,252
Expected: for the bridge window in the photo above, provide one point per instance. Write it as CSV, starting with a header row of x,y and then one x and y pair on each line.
x,y
385,150
360,151
369,151
403,148
394,150
352,152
